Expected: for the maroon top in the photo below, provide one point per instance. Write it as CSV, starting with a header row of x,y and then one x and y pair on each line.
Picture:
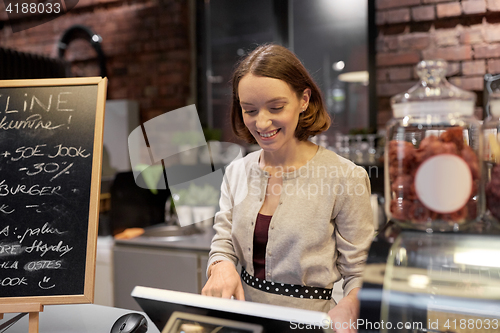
x,y
259,245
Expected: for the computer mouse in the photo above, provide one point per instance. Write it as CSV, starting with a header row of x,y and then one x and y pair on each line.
x,y
130,323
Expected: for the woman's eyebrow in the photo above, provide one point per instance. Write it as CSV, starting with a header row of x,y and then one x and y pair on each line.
x,y
276,99
269,101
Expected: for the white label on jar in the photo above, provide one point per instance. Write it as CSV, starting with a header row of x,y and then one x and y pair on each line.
x,y
443,183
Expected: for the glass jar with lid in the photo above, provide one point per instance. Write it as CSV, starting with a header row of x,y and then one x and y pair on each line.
x,y
491,129
433,144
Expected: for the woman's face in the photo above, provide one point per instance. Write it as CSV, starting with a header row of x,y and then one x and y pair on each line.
x,y
270,110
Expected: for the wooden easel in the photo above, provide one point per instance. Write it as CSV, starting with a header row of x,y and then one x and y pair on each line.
x,y
33,309
19,302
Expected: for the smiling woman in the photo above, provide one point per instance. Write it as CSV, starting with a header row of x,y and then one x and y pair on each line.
x,y
271,110
276,62
295,233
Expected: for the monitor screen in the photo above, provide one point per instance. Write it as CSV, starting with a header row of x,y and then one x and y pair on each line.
x,y
181,322
160,305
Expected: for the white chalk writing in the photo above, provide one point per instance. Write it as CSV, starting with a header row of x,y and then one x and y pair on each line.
x,y
5,231
32,122
39,246
46,285
24,189
45,229
9,265
43,264
5,209
69,151
10,249
12,282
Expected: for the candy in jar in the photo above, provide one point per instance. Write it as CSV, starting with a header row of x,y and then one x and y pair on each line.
x,y
432,154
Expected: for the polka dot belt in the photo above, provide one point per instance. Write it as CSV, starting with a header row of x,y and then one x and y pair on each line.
x,y
285,289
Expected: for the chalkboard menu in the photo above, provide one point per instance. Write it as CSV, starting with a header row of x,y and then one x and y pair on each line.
x,y
50,169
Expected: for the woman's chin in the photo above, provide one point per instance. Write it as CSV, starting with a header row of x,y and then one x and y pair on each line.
x,y
269,146
266,143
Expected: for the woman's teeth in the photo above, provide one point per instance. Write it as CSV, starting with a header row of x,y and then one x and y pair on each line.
x,y
268,135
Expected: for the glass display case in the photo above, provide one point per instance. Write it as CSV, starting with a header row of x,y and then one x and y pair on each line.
x,y
432,282
491,159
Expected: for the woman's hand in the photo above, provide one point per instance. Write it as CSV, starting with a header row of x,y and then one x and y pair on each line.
x,y
346,313
224,281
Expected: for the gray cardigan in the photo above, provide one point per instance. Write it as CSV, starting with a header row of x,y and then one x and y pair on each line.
x,y
319,233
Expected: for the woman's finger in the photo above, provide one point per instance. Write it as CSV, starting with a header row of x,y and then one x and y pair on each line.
x,y
239,294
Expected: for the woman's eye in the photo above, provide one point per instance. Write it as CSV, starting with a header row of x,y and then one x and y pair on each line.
x,y
250,111
277,108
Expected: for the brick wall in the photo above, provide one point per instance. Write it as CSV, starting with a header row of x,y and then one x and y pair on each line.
x,y
146,42
466,33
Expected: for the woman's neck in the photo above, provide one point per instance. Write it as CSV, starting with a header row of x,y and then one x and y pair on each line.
x,y
293,157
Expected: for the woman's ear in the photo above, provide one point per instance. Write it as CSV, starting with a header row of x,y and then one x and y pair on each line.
x,y
306,96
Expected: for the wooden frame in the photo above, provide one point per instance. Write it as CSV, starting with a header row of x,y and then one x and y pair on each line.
x,y
16,303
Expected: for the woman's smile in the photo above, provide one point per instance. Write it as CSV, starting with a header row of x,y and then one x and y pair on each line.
x,y
269,135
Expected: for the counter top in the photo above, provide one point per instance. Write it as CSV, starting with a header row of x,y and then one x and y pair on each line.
x,y
196,242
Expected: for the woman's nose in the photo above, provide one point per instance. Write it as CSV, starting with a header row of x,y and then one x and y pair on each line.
x,y
263,120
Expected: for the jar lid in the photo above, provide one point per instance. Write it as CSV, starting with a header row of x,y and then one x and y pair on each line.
x,y
433,94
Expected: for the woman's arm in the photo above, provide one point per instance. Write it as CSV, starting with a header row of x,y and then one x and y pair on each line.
x,y
345,314
354,234
223,278
222,242
354,229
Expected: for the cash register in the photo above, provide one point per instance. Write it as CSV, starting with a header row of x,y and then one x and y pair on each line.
x,y
177,312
